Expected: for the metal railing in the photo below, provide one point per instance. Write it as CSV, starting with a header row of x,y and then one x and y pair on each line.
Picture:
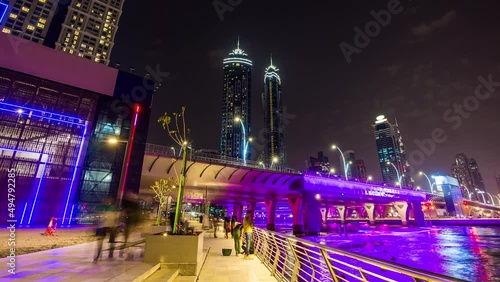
x,y
293,259
212,158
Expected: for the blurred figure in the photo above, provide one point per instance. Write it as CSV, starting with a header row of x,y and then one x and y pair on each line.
x,y
107,221
51,227
233,224
237,238
214,223
227,227
132,216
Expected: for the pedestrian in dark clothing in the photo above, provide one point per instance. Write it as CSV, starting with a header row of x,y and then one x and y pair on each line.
x,y
237,238
233,224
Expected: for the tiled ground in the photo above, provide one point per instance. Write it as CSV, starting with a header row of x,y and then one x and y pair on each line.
x,y
75,264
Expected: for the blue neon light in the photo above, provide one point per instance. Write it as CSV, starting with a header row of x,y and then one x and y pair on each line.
x,y
74,172
4,7
20,110
71,214
38,190
24,211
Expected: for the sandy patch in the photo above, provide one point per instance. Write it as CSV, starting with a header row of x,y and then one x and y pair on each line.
x,y
30,240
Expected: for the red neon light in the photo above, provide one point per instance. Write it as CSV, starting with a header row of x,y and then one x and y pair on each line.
x,y
131,142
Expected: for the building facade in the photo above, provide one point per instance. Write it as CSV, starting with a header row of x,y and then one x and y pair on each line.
x,y
90,28
467,172
360,170
391,153
236,125
274,147
27,19
54,124
83,28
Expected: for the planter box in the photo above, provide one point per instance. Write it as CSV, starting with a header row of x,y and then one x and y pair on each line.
x,y
152,229
184,252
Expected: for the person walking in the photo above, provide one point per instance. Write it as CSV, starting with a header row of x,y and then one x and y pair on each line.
x,y
106,222
227,227
237,238
248,225
214,223
233,224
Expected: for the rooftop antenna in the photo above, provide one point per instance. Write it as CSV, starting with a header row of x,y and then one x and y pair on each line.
x,y
271,59
238,46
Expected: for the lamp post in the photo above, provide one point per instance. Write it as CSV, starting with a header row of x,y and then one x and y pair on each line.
x,y
369,178
332,170
397,173
274,160
245,142
346,166
123,175
482,194
262,164
428,179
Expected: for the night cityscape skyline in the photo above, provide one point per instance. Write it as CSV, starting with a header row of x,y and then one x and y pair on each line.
x,y
340,128
415,89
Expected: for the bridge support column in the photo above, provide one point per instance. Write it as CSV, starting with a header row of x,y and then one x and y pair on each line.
x,y
370,210
402,208
324,214
343,213
271,213
238,212
295,203
418,213
312,214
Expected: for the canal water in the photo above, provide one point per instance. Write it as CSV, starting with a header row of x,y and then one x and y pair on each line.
x,y
469,253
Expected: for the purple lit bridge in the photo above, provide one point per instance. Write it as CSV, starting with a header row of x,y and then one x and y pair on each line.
x,y
312,198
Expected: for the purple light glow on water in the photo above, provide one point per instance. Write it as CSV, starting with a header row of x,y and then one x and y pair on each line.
x,y
469,253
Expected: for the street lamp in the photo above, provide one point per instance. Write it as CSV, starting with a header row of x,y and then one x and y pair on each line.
x,y
428,179
332,170
173,150
262,164
274,160
370,178
346,166
482,194
123,175
397,172
245,142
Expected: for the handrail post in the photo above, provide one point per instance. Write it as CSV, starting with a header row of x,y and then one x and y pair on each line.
x,y
296,264
331,269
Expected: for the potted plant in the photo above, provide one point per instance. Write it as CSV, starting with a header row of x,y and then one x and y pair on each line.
x,y
178,247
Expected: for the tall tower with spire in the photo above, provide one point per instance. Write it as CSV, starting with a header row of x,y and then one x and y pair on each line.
x,y
236,105
274,149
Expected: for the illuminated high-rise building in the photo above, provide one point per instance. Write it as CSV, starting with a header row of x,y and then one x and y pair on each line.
x,y
89,29
236,105
274,147
468,175
28,19
391,153
360,170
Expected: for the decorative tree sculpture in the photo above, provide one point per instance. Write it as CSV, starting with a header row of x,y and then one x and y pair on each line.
x,y
178,133
162,189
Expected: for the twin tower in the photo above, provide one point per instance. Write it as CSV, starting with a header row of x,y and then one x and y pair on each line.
x,y
236,139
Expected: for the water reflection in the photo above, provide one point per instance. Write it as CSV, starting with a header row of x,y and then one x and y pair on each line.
x,y
469,253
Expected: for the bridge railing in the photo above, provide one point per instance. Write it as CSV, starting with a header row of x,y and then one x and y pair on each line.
x,y
293,259
212,158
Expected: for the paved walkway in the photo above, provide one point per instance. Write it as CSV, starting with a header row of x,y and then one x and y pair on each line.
x,y
75,263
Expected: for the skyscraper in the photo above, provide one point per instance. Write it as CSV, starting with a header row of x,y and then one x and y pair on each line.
x,y
89,29
85,28
468,175
350,159
236,105
28,19
391,152
274,148
360,170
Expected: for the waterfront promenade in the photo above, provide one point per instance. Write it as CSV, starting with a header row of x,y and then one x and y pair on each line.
x,y
75,263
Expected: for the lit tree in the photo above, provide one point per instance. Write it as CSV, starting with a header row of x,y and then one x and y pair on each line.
x,y
162,189
178,133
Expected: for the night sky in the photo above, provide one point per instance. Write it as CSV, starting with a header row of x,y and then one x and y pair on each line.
x,y
427,58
